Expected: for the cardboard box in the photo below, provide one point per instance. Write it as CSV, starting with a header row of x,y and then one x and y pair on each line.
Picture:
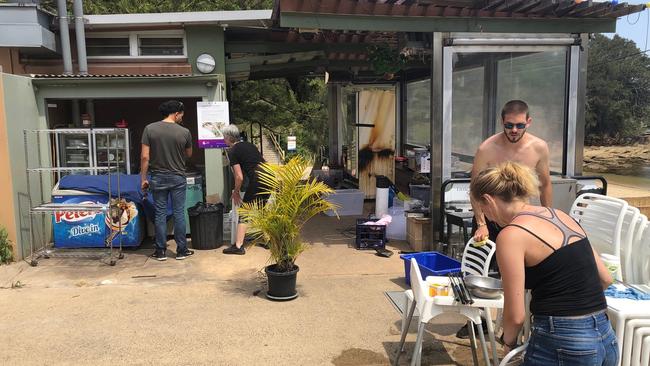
x,y
418,233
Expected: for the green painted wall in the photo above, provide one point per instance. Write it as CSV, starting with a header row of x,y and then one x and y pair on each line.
x,y
210,39
23,112
206,39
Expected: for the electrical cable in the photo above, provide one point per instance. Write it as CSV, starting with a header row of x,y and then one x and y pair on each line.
x,y
638,16
621,58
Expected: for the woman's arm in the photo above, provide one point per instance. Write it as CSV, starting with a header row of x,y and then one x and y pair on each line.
x,y
603,272
239,179
510,256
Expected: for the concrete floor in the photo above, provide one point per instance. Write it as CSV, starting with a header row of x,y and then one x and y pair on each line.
x,y
209,310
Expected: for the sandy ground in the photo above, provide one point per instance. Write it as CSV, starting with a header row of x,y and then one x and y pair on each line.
x,y
624,160
209,310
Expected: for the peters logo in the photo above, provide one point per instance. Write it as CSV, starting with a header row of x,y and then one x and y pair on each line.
x,y
72,216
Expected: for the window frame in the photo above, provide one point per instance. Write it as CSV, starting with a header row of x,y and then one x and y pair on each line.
x,y
406,144
134,44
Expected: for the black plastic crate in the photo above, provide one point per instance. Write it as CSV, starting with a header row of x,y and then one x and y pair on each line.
x,y
370,236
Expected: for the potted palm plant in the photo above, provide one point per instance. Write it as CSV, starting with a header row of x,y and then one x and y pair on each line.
x,y
278,223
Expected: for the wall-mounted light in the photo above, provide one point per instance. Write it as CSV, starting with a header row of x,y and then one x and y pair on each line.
x,y
205,63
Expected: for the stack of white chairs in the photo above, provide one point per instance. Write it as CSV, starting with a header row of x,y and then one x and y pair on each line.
x,y
615,228
632,318
602,219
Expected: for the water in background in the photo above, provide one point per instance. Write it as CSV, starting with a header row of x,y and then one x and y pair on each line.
x,y
637,178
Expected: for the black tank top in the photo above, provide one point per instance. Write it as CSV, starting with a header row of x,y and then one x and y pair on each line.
x,y
566,283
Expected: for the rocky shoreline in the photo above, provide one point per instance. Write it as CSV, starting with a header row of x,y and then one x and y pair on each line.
x,y
624,160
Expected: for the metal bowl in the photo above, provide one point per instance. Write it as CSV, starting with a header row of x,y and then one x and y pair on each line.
x,y
484,287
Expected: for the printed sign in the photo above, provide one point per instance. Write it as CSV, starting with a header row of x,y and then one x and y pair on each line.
x,y
291,143
212,117
93,229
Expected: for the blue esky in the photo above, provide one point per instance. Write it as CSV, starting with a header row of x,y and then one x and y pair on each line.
x,y
634,26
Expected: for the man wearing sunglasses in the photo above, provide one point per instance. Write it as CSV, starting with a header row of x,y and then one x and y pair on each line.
x,y
513,144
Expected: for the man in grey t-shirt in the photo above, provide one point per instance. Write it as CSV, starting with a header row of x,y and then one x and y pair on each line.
x,y
165,147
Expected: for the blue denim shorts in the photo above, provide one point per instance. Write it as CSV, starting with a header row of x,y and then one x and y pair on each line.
x,y
576,340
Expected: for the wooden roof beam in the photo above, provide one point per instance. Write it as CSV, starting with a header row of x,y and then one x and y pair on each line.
x,y
626,10
526,6
593,10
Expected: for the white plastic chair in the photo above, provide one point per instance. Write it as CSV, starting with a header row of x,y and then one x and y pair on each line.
x,y
631,221
476,260
427,310
602,219
639,260
645,353
640,334
512,354
622,311
644,264
627,356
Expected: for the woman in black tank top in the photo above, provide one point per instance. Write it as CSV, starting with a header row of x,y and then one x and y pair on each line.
x,y
546,251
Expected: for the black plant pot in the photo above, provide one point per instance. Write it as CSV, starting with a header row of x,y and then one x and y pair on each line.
x,y
282,285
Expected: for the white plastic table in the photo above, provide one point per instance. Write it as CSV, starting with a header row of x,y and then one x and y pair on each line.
x,y
486,304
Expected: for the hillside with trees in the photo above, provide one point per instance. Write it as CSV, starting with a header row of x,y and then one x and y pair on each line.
x,y
618,91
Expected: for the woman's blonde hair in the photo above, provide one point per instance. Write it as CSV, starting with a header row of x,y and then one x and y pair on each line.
x,y
508,181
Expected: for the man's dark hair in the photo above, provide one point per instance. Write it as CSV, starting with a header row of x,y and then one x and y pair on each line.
x,y
514,107
171,107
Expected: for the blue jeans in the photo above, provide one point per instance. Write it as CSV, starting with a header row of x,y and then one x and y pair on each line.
x,y
581,340
162,186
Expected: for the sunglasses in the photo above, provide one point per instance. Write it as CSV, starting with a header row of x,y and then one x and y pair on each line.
x,y
510,125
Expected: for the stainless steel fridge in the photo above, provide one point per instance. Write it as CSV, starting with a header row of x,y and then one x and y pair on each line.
x,y
93,147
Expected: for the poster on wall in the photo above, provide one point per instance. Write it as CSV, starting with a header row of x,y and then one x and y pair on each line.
x,y
291,143
212,117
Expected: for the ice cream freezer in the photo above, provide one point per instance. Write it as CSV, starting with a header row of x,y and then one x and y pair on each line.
x,y
91,230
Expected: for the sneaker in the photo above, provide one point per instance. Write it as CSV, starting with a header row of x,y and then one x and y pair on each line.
x,y
463,333
185,254
159,255
234,250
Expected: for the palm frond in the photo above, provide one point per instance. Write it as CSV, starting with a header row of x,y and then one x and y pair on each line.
x,y
293,201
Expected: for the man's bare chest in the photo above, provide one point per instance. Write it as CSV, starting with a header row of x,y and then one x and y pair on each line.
x,y
528,159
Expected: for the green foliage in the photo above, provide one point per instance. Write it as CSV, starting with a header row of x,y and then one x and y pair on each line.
x,y
292,203
618,90
385,60
6,249
161,6
295,107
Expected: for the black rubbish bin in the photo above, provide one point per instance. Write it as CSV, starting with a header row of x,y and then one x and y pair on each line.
x,y
206,225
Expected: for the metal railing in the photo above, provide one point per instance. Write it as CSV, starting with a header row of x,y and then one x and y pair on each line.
x,y
273,136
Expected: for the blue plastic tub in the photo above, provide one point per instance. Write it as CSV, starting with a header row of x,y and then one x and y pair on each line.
x,y
431,264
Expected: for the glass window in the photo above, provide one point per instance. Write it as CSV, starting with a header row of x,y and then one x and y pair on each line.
x,y
539,79
467,116
418,112
170,46
107,46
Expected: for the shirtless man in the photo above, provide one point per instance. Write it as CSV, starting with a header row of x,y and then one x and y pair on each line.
x,y
514,144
